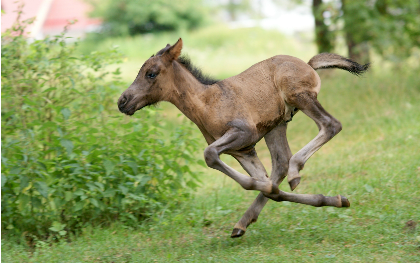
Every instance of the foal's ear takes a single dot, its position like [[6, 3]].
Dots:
[[175, 50]]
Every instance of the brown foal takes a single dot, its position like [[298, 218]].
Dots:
[[235, 113]]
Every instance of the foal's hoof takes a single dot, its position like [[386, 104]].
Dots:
[[294, 183], [344, 202], [237, 233]]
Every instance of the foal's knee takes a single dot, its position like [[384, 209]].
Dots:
[[211, 156]]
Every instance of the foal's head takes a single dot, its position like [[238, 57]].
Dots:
[[152, 82]]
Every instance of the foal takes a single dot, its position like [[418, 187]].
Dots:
[[235, 113]]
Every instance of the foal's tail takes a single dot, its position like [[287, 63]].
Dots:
[[329, 60]]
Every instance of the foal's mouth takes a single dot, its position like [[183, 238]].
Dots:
[[127, 104], [131, 109]]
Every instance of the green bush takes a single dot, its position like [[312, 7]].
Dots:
[[66, 160], [131, 17]]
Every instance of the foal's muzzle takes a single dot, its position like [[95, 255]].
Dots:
[[123, 105]]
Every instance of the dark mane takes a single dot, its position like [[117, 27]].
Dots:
[[196, 72]]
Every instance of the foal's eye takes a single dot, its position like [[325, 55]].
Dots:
[[151, 75]]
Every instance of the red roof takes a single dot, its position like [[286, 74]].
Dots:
[[64, 10], [52, 16]]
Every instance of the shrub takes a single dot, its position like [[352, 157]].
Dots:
[[131, 17], [66, 161]]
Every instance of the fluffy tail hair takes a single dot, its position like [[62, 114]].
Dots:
[[329, 60]]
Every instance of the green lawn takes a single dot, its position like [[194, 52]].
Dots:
[[374, 162]]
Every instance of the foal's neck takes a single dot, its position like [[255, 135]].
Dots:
[[185, 93]]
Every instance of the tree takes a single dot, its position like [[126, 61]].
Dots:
[[323, 36], [356, 22]]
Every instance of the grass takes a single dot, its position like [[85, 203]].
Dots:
[[374, 161], [218, 50]]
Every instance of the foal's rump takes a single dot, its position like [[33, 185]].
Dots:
[[294, 76]]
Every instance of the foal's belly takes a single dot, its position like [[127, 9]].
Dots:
[[268, 117]]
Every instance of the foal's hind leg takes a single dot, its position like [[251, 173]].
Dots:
[[313, 200], [278, 146], [328, 127], [236, 139]]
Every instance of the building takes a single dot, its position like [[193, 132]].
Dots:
[[51, 17]]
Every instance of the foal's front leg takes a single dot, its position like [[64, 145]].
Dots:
[[311, 199], [278, 146], [234, 140]]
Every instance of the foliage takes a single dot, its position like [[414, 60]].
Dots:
[[66, 160], [131, 17], [390, 27]]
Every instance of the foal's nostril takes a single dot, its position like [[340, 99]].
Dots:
[[122, 102]]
